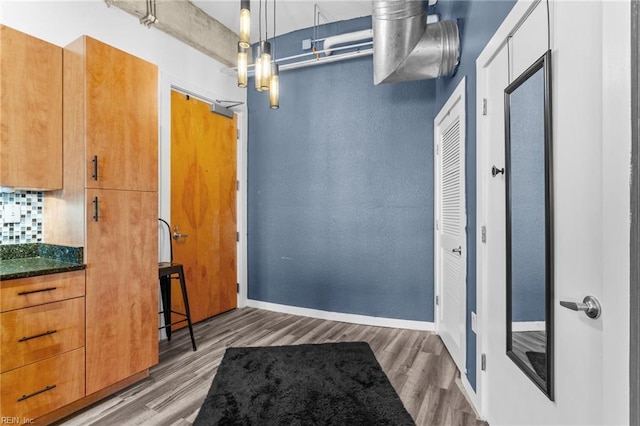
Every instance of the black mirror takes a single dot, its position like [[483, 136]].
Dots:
[[529, 227]]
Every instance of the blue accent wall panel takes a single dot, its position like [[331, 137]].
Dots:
[[340, 191], [478, 21]]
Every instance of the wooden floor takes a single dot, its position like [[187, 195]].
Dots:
[[524, 341], [416, 362]]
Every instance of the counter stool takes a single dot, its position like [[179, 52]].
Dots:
[[168, 271]]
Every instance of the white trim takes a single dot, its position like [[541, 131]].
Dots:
[[528, 326], [471, 394], [456, 105], [342, 317], [521, 10]]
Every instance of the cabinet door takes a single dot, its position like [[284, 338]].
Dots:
[[122, 285], [30, 112], [121, 119], [36, 389]]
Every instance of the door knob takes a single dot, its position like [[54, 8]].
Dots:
[[496, 171], [177, 234], [458, 250], [590, 306]]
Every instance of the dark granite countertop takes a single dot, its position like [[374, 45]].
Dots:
[[29, 260]]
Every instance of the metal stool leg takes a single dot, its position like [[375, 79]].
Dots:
[[165, 292], [183, 287]]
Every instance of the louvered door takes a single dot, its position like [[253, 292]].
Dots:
[[450, 247]]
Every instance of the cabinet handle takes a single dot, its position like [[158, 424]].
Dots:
[[24, 293], [48, 388], [46, 333], [95, 167], [95, 209]]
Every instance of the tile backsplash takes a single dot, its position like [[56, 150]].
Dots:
[[29, 230]]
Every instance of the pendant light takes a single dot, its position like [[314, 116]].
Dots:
[[257, 67], [266, 52], [257, 57], [274, 81], [242, 66], [266, 71], [265, 59], [274, 86], [245, 23]]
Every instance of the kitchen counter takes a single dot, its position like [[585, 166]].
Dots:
[[29, 260]]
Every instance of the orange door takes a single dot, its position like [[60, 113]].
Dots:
[[203, 205]]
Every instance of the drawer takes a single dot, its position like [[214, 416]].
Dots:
[[39, 388], [25, 292], [33, 334]]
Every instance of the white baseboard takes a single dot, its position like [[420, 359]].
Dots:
[[472, 396], [528, 326], [337, 316]]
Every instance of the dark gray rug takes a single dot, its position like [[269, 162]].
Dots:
[[326, 384]]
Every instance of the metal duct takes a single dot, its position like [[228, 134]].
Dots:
[[406, 48]]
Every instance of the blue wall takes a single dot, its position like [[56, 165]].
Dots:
[[478, 21], [340, 193], [341, 181]]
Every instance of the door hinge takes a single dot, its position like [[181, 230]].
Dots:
[[484, 106], [237, 185], [437, 149], [483, 362], [484, 234], [437, 225], [237, 287], [437, 300], [237, 236], [237, 134]]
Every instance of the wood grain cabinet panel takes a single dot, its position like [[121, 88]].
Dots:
[[36, 333], [39, 388], [119, 115], [32, 291], [122, 285], [30, 112]]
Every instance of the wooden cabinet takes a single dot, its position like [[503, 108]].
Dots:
[[40, 388], [30, 111], [25, 292], [109, 205], [122, 285], [36, 333], [115, 95], [42, 333]]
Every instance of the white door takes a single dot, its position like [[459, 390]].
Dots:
[[451, 220], [583, 249]]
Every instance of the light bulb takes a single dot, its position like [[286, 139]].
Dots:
[[274, 87], [266, 65], [245, 23], [257, 68], [242, 66]]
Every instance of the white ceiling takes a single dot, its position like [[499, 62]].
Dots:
[[291, 15]]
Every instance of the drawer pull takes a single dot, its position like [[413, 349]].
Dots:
[[95, 168], [46, 333], [24, 293], [48, 388]]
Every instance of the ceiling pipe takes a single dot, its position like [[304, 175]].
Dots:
[[406, 48], [332, 41]]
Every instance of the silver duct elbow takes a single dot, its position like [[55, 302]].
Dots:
[[405, 48]]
